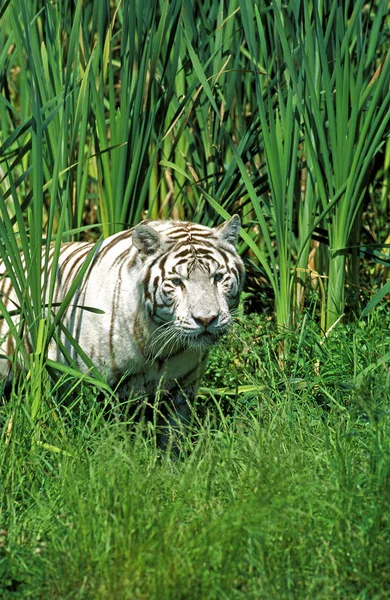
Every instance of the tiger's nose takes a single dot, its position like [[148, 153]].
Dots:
[[205, 321]]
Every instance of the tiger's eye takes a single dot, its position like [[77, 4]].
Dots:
[[176, 281], [218, 277]]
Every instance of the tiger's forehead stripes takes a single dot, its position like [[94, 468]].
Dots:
[[189, 232], [194, 255]]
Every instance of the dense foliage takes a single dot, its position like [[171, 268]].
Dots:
[[111, 111]]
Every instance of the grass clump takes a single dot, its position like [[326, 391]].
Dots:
[[280, 496]]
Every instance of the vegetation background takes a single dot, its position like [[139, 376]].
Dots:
[[112, 111]]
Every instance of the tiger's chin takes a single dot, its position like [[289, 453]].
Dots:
[[204, 339]]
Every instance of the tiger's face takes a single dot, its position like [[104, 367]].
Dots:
[[193, 278], [196, 299]]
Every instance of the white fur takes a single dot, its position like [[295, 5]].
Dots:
[[156, 330]]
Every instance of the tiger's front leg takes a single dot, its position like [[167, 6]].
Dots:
[[175, 417], [178, 380]]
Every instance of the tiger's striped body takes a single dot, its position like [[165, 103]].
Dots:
[[166, 289]]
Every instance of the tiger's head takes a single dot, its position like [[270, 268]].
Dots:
[[192, 278]]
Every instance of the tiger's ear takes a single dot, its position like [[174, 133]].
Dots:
[[146, 239], [228, 231]]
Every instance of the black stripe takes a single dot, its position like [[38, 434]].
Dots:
[[111, 242]]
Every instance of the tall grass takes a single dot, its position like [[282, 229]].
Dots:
[[115, 111], [324, 111]]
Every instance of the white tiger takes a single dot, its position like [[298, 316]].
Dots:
[[167, 289]]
